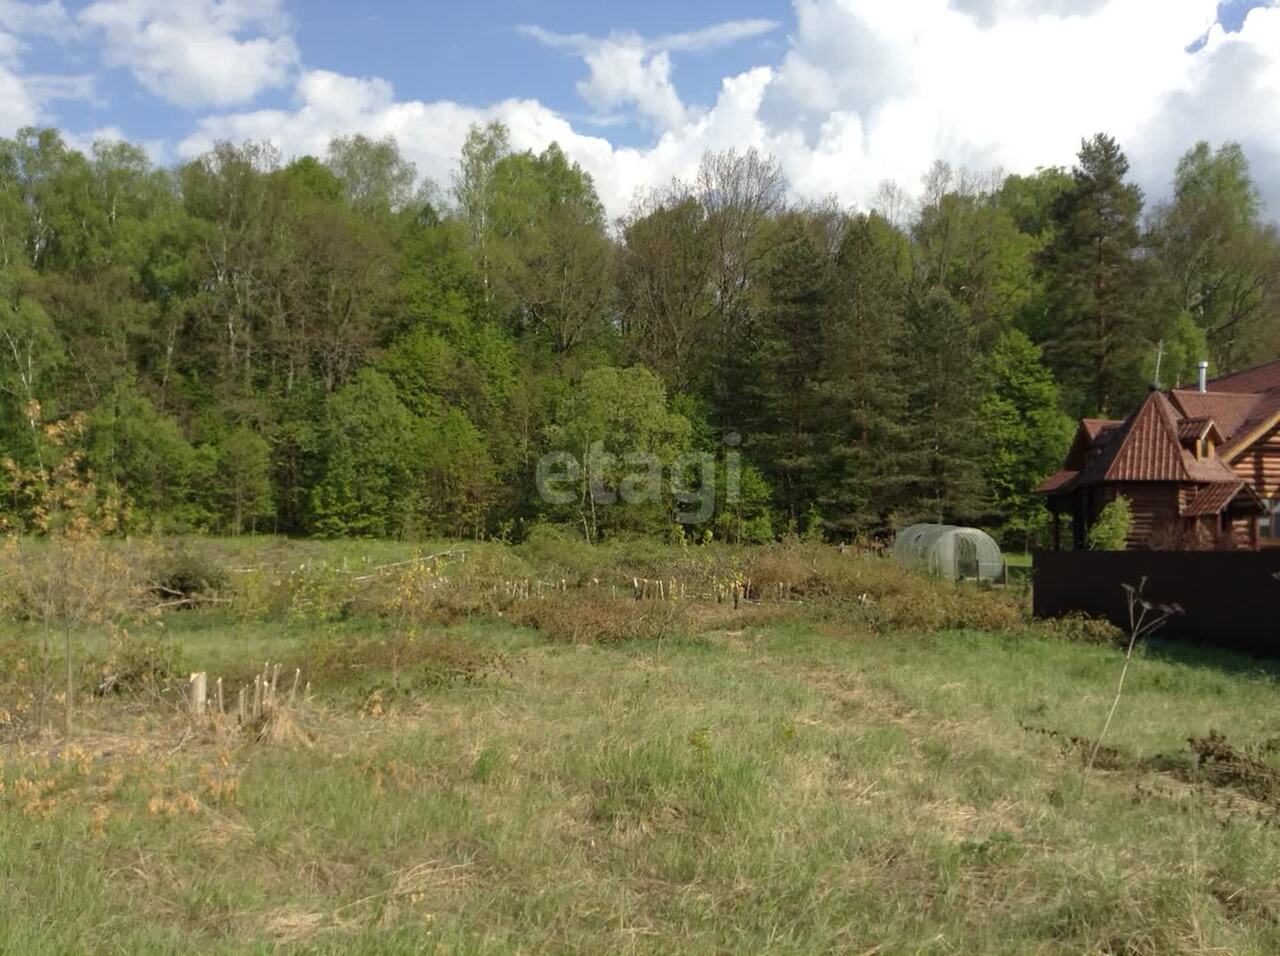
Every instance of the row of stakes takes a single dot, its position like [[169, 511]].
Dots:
[[648, 589], [251, 702]]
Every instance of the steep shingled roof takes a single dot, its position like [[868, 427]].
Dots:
[[1156, 443], [1148, 450], [1147, 446]]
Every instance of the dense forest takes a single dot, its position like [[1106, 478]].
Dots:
[[330, 347]]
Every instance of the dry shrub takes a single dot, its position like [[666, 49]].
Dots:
[[426, 589], [1223, 765], [182, 577], [402, 664], [557, 553], [876, 590], [589, 617], [138, 660], [280, 726], [18, 672], [70, 582], [418, 595], [1080, 628]]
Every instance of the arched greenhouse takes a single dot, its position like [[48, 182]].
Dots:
[[947, 551]]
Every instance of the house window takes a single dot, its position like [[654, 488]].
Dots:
[[1269, 524]]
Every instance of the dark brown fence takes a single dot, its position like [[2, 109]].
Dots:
[[1231, 598]]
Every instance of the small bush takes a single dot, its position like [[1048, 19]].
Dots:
[[140, 660], [1111, 530], [1082, 629], [179, 574], [876, 591]]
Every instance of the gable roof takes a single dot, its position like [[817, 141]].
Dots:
[[1155, 442], [1197, 429], [1213, 499], [1147, 446]]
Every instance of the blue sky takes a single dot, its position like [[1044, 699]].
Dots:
[[469, 52], [846, 93]]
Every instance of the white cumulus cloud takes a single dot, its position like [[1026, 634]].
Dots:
[[627, 69], [197, 52], [865, 91], [25, 96]]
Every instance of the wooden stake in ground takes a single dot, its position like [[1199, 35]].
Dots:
[[197, 691]]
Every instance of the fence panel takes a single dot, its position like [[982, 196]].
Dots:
[[1230, 598]]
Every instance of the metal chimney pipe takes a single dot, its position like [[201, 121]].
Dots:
[[1202, 376]]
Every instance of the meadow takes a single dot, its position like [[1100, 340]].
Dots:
[[477, 748]]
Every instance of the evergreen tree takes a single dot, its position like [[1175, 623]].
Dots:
[[940, 466], [1099, 286], [780, 415], [370, 482], [864, 378], [244, 482]]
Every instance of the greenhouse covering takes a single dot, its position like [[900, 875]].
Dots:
[[948, 551]]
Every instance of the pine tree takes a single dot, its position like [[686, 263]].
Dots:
[[780, 408], [862, 390], [941, 464], [1099, 286]]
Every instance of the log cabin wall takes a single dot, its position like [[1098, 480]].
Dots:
[[1154, 505], [1260, 465]]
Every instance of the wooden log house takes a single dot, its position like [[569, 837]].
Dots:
[[1200, 467]]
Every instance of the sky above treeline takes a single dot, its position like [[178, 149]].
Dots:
[[845, 93]]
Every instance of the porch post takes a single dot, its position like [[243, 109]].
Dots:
[[1055, 531]]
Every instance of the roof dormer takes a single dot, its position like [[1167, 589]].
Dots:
[[1200, 436]]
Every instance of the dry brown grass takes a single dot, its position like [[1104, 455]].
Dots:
[[589, 617]]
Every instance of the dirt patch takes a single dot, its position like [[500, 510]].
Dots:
[[1109, 758], [1219, 763]]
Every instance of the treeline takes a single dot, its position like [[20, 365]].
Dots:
[[325, 347]]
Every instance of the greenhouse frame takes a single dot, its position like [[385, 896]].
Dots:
[[948, 551]]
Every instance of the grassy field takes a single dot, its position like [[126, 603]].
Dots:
[[814, 774]]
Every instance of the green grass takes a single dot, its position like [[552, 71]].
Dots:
[[753, 788]]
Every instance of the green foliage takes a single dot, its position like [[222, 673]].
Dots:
[[133, 447], [368, 482], [1027, 432], [1099, 285], [1182, 349], [617, 424], [1111, 529], [243, 479], [332, 346], [947, 434], [1221, 259]]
